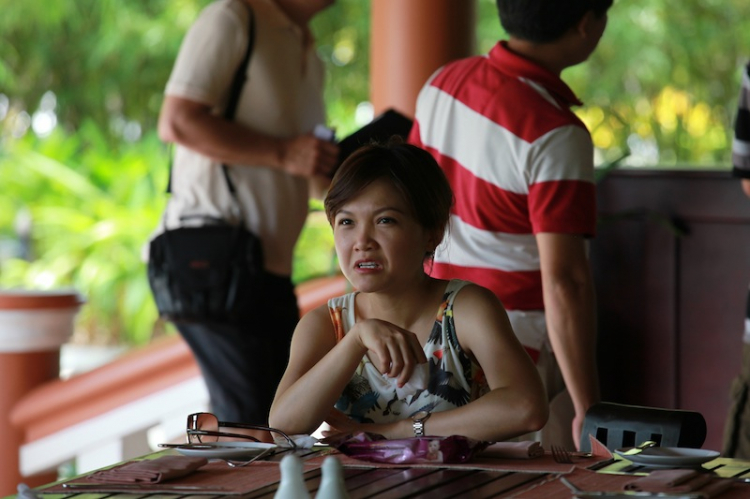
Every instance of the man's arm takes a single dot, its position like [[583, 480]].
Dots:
[[193, 125], [746, 186], [569, 309]]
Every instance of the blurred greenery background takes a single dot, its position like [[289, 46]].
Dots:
[[82, 173]]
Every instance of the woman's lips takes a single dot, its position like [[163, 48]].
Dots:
[[366, 265]]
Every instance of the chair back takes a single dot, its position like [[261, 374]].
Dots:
[[621, 425]]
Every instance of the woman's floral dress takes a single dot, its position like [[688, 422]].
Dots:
[[453, 380]]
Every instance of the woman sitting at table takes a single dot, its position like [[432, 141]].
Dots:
[[364, 352]]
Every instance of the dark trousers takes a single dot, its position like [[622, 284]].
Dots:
[[242, 365]]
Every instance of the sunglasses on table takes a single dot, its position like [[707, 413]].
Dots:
[[204, 427]]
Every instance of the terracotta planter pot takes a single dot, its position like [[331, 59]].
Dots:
[[33, 327]]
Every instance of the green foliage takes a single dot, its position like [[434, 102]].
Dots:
[[343, 35], [666, 77], [92, 209], [314, 255], [105, 60]]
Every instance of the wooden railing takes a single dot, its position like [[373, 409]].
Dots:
[[120, 410]]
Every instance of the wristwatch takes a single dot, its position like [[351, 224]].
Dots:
[[418, 420]]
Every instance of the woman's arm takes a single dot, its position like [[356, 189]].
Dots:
[[300, 405], [516, 403], [319, 368]]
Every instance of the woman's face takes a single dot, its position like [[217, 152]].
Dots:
[[379, 243]]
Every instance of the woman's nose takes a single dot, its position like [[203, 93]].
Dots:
[[363, 240]]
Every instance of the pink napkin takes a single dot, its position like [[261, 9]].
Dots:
[[514, 450], [150, 470], [679, 481], [598, 449]]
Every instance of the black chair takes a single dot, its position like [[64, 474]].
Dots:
[[621, 425]]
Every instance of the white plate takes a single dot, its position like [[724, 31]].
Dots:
[[670, 457], [224, 450]]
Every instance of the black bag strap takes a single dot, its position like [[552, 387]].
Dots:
[[240, 76]]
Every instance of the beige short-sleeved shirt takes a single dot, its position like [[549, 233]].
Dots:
[[282, 96]]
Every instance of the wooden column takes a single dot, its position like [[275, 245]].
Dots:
[[33, 327], [410, 40]]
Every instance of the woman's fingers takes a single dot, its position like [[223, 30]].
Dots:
[[414, 355], [407, 367], [381, 358], [394, 351]]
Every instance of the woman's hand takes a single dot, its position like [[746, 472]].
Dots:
[[394, 351], [339, 423]]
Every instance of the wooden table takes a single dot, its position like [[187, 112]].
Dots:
[[524, 479]]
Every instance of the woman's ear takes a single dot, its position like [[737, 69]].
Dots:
[[433, 242]]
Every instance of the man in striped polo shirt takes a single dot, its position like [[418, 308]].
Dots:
[[521, 165]]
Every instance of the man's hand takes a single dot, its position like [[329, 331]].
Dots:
[[308, 156], [577, 429]]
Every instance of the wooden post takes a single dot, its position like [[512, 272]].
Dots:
[[33, 327], [410, 39]]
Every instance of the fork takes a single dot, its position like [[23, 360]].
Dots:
[[240, 464], [561, 455]]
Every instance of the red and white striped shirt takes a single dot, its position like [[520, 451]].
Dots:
[[520, 162]]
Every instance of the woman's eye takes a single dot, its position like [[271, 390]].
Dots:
[[386, 220], [345, 221]]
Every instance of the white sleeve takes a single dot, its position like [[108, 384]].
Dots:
[[210, 53]]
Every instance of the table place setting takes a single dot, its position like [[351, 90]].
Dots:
[[669, 457], [213, 477], [676, 484], [197, 474], [368, 462]]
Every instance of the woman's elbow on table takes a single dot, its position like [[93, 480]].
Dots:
[[530, 412], [279, 417], [290, 426], [536, 413]]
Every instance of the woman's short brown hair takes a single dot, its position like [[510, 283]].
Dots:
[[411, 170]]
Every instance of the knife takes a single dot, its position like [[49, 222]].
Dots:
[[639, 448]]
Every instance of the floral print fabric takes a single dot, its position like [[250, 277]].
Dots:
[[454, 379]]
